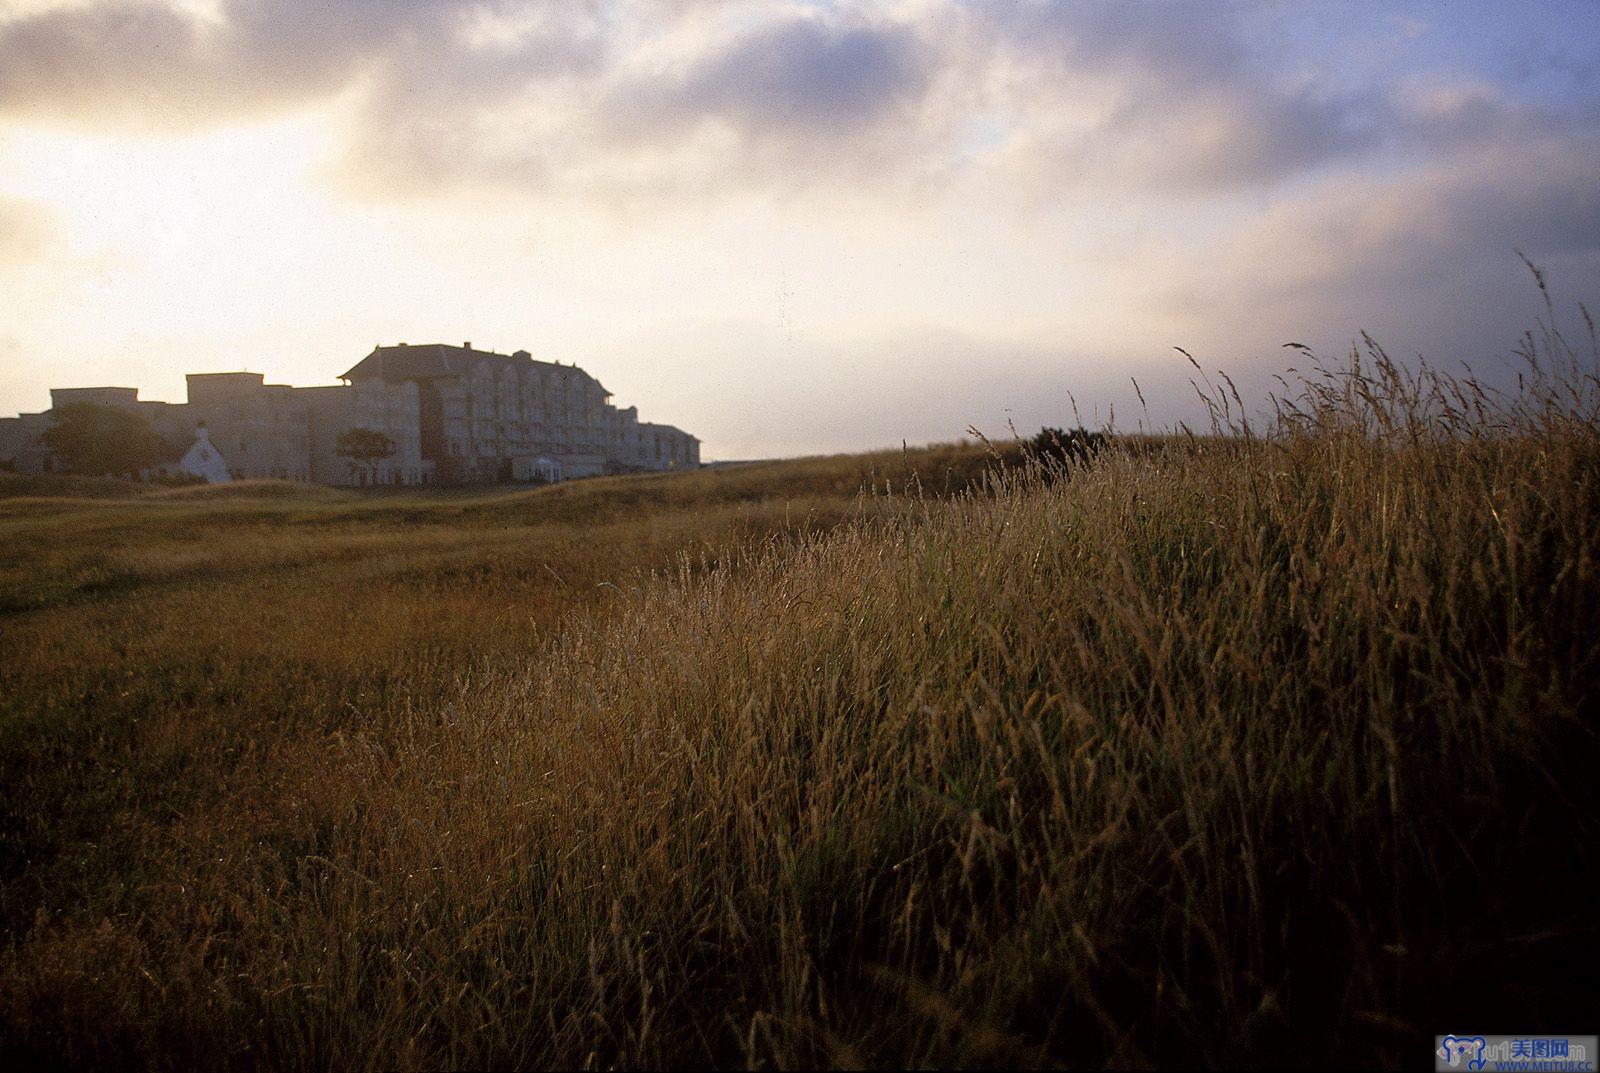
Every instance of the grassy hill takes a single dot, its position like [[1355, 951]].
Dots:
[[1275, 747]]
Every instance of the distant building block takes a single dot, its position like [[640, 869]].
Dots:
[[455, 415]]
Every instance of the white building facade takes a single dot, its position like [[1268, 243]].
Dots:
[[485, 416]]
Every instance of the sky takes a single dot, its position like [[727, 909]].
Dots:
[[792, 227]]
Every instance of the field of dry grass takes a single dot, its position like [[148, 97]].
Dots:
[[1267, 747]]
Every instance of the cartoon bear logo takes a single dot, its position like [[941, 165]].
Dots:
[[1455, 1048]]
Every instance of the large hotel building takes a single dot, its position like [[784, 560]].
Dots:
[[455, 415]]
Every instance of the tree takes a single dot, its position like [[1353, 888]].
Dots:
[[98, 441], [365, 447]]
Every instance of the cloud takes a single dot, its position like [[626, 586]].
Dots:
[[1425, 261], [692, 102], [656, 102], [806, 75], [793, 103], [1114, 98], [1204, 142], [787, 103], [146, 64], [106, 61]]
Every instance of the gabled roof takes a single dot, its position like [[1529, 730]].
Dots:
[[394, 363], [428, 360]]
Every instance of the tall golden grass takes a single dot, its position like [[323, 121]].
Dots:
[[1274, 745]]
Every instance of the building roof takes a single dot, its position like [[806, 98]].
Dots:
[[240, 377], [656, 426], [429, 360], [100, 396]]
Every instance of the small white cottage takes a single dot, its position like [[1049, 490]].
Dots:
[[541, 468], [204, 460]]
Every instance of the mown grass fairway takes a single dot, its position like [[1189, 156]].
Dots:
[[1222, 750]]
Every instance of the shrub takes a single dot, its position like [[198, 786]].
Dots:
[[1056, 450]]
